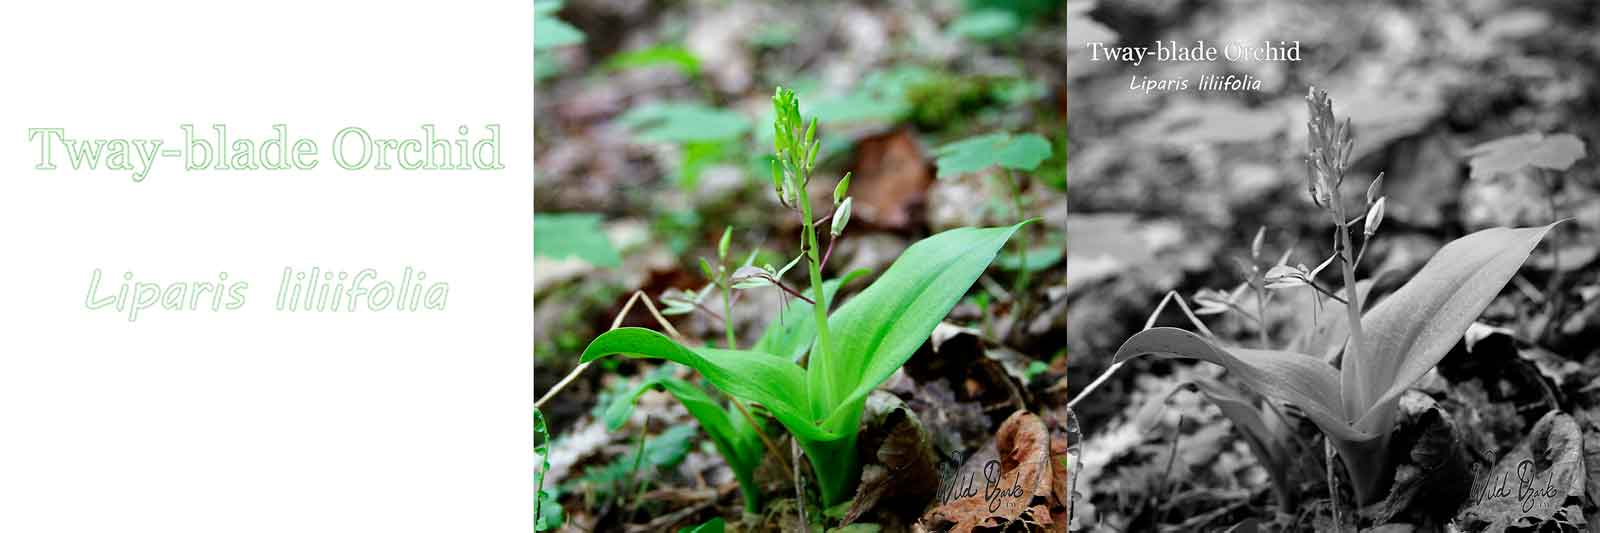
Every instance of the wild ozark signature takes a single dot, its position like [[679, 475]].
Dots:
[[995, 488], [1526, 487]]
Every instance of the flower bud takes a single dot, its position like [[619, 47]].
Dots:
[[811, 155], [1255, 244], [705, 268], [841, 218], [777, 179], [1374, 218]]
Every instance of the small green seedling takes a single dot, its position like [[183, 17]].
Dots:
[[705, 134], [1008, 152], [579, 235], [547, 513], [671, 55], [731, 433], [1388, 348], [550, 32], [856, 348]]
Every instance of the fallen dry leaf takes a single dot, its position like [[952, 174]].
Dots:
[[1540, 483], [905, 475], [891, 179], [1015, 486]]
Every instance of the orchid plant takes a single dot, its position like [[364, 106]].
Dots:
[[1382, 351], [847, 352]]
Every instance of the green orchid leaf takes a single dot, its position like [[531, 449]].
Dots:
[[793, 334], [1042, 256], [1412, 329], [729, 431], [759, 377], [877, 330]]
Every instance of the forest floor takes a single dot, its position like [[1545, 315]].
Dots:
[[1174, 192], [653, 137]]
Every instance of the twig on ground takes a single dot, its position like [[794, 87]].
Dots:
[[638, 296]]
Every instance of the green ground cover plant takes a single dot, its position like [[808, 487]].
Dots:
[[855, 347]]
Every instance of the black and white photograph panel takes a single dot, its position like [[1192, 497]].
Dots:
[[1333, 265]]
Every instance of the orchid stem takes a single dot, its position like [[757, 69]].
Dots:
[[727, 313], [1333, 483], [1347, 266], [1021, 288]]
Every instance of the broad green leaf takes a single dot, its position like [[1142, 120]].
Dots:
[[772, 381], [1019, 152], [672, 55], [874, 334], [679, 122], [563, 235], [860, 106], [970, 154], [1412, 329], [698, 156], [791, 334], [1041, 256], [729, 431], [1024, 152], [884, 95], [876, 331], [1509, 154]]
